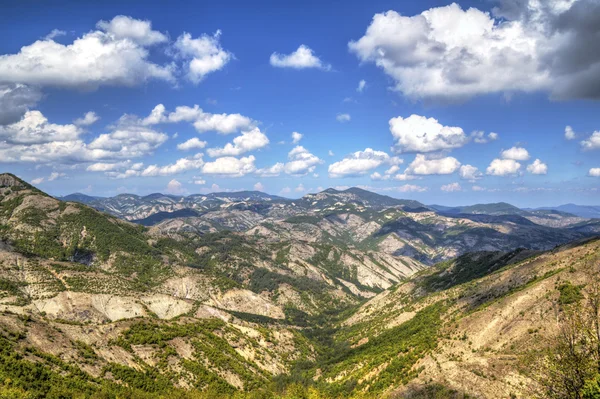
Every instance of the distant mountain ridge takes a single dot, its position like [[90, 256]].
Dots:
[[585, 211]]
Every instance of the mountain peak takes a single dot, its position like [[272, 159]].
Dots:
[[10, 180]]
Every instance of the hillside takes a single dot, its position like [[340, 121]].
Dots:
[[352, 295]]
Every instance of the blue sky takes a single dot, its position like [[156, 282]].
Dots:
[[439, 78]]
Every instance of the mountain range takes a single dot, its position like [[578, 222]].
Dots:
[[336, 294]]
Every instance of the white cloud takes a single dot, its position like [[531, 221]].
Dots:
[[521, 46], [259, 186], [38, 180], [300, 188], [592, 143], [202, 121], [537, 168], [34, 128], [199, 181], [176, 188], [362, 85], [299, 59], [15, 100], [451, 187], [181, 165], [436, 166], [469, 172], [230, 166], [503, 167], [107, 167], [88, 119], [569, 133], [285, 190], [203, 55], [358, 163], [157, 115], [248, 141], [271, 171], [343, 118], [425, 54], [516, 154], [127, 171], [391, 173], [330, 153], [480, 138], [301, 161], [97, 58], [478, 188], [192, 143], [296, 137], [420, 134], [595, 172], [138, 31], [411, 188], [404, 177], [55, 33], [127, 141], [55, 175]]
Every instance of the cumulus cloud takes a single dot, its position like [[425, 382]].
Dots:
[[301, 161], [56, 175], [343, 118], [362, 85], [592, 143], [451, 187], [595, 172], [259, 186], [35, 139], [38, 180], [15, 100], [452, 54], [436, 166], [411, 188], [114, 55], [230, 166], [469, 172], [34, 128], [248, 141], [300, 188], [176, 188], [358, 163], [88, 119], [300, 59], [537, 168], [107, 166], [202, 121], [285, 190], [55, 33], [296, 137], [570, 133], [181, 165], [128, 141], [503, 167], [421, 134], [191, 144], [480, 137], [138, 31], [516, 154], [271, 171], [203, 55]]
